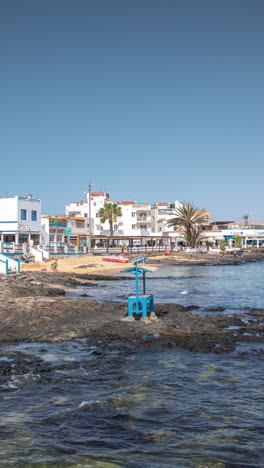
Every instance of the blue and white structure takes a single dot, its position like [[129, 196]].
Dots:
[[20, 219]]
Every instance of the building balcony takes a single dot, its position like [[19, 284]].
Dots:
[[143, 219]]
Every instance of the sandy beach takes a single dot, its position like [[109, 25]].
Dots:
[[94, 264]]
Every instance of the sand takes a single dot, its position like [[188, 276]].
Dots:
[[94, 264], [91, 264]]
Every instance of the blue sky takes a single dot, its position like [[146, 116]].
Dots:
[[150, 100]]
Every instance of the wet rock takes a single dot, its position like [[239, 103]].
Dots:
[[225, 348], [43, 368], [34, 310], [257, 312], [214, 309]]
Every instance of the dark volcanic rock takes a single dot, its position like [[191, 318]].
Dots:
[[257, 312], [32, 309]]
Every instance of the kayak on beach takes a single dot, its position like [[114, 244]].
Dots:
[[115, 259]]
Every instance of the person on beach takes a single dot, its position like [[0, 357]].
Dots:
[[54, 265]]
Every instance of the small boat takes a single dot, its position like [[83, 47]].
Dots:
[[115, 259]]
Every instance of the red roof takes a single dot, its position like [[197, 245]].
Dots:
[[161, 203], [99, 194], [127, 202]]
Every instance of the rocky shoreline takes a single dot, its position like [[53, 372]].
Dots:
[[33, 307], [209, 258]]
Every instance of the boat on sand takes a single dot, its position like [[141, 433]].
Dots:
[[115, 259]]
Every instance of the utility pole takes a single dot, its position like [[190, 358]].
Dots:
[[90, 218]]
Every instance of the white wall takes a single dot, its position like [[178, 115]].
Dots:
[[29, 205], [10, 215], [77, 209], [45, 231]]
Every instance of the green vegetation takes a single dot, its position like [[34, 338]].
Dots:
[[223, 245], [238, 241], [190, 218], [110, 212]]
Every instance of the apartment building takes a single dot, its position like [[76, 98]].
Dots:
[[96, 201], [161, 213], [138, 219]]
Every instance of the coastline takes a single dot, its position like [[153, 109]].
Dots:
[[33, 307], [94, 265]]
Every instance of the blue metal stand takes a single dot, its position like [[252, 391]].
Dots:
[[142, 304]]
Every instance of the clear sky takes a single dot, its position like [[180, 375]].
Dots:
[[150, 100]]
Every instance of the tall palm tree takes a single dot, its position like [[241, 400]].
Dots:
[[110, 212], [189, 217]]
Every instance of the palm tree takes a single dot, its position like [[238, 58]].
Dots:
[[110, 212], [189, 217], [196, 236]]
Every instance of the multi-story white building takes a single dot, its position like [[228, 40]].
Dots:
[[20, 219], [138, 219], [161, 213], [135, 220], [94, 199]]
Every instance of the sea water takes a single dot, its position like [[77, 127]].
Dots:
[[234, 287], [112, 406]]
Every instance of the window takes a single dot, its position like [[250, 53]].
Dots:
[[97, 215], [133, 214], [23, 214], [86, 215], [22, 238], [80, 224], [33, 215], [115, 226], [94, 203], [133, 226]]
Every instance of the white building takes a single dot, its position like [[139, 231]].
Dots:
[[251, 233], [58, 229], [138, 219], [135, 220], [161, 213], [97, 201], [20, 219]]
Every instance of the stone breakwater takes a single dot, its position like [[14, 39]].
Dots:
[[33, 307]]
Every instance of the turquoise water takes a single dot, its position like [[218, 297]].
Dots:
[[114, 406], [234, 287]]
